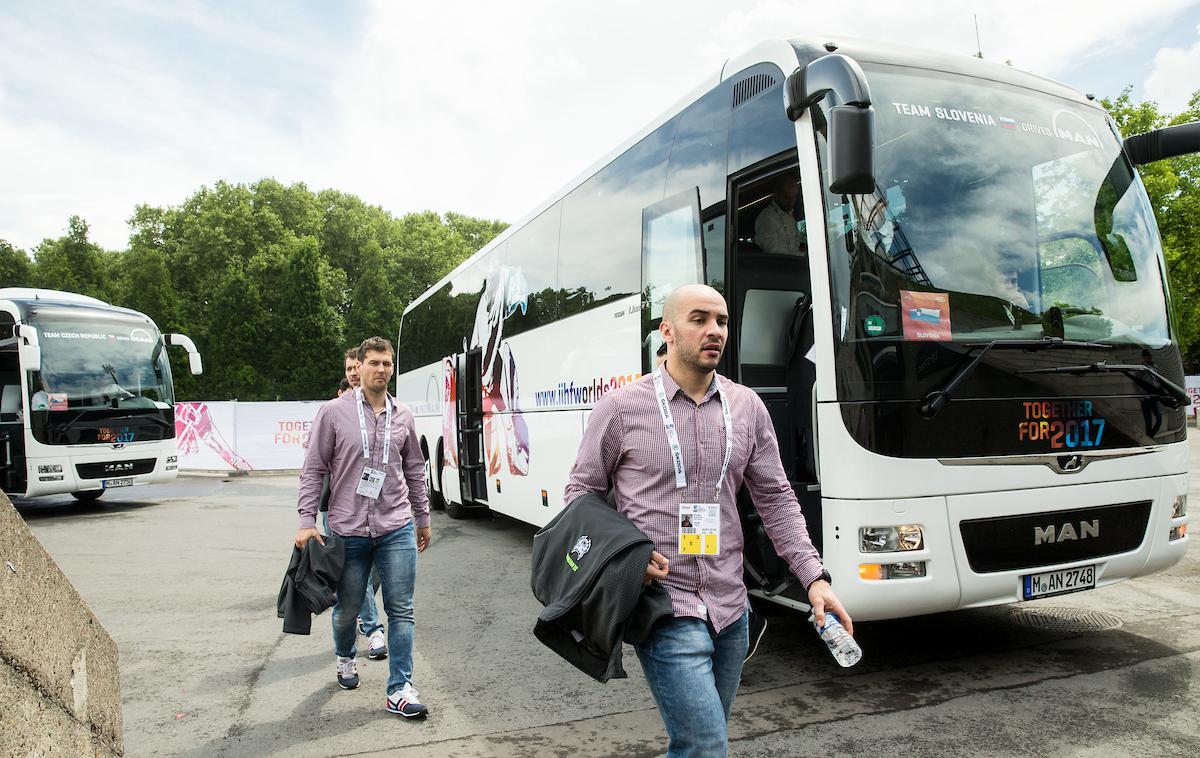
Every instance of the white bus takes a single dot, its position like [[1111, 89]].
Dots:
[[962, 330], [86, 402]]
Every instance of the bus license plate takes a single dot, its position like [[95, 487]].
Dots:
[[1060, 582], [108, 484]]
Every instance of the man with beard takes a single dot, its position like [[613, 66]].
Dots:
[[681, 442]]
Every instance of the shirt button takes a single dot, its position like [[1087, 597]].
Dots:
[[702, 608]]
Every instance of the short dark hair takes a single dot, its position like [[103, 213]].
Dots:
[[662, 350], [377, 344], [344, 385], [352, 352]]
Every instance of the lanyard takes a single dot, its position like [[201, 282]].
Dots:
[[664, 409], [362, 427]]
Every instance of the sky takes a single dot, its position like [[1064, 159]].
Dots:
[[482, 108]]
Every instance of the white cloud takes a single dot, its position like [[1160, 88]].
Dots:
[[483, 108], [1175, 77]]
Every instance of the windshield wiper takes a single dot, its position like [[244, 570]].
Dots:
[[1162, 385], [937, 399]]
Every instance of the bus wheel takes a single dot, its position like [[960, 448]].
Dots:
[[87, 496], [436, 501], [458, 510]]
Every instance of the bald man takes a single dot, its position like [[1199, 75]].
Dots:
[[676, 466]]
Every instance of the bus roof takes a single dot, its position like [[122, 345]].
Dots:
[[800, 52], [56, 296]]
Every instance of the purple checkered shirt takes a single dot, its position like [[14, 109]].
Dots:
[[625, 443], [335, 448]]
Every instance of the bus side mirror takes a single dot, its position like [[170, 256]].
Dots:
[[194, 362], [1167, 142], [850, 125], [29, 349]]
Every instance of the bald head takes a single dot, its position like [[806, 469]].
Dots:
[[681, 300], [695, 325]]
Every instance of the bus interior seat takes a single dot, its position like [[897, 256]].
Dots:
[[10, 403]]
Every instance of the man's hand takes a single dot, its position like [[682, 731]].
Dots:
[[304, 535], [821, 598], [424, 534], [656, 568]]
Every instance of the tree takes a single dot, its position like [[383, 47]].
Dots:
[[16, 270], [73, 263]]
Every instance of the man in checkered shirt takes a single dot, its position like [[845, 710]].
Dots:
[[693, 663]]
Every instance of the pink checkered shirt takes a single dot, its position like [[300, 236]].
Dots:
[[625, 443]]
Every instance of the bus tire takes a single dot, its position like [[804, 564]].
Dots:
[[436, 502], [87, 496], [458, 510]]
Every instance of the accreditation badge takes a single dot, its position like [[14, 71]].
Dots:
[[699, 529], [371, 482]]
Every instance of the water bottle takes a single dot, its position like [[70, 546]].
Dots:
[[843, 647]]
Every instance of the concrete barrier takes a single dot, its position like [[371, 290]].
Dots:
[[60, 691]]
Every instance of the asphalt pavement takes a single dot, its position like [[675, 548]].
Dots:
[[185, 577]]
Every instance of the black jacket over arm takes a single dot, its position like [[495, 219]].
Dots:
[[310, 584], [588, 567]]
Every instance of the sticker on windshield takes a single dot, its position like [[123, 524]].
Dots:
[[57, 401], [926, 315], [873, 325]]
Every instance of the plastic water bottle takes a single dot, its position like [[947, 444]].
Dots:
[[843, 647]]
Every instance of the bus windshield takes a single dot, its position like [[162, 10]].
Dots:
[[92, 364], [999, 213]]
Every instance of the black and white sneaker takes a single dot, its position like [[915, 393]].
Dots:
[[347, 673], [377, 646], [758, 627], [405, 702]]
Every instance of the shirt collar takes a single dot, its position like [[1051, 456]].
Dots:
[[671, 387], [391, 401]]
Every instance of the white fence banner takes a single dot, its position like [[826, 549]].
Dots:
[[233, 436], [1193, 389]]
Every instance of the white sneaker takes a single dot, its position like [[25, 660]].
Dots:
[[377, 646], [405, 701], [347, 672]]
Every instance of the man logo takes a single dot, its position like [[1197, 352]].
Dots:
[[1050, 534], [581, 547]]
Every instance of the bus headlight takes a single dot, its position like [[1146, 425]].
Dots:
[[1179, 510], [879, 571], [1177, 533], [889, 539], [55, 468]]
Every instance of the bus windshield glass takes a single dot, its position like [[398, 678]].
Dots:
[[999, 213], [94, 364]]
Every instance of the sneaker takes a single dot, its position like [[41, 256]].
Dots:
[[377, 646], [347, 673], [361, 629], [404, 701], [758, 627]]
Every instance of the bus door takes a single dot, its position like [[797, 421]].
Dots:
[[672, 256], [471, 461], [770, 343], [12, 427]]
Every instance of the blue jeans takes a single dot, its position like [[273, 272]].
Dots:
[[369, 612], [395, 556], [693, 674]]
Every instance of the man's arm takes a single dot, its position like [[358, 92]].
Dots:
[[316, 465], [414, 475], [599, 452], [780, 512]]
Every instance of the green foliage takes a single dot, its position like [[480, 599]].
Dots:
[[272, 281], [1173, 187], [16, 270]]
